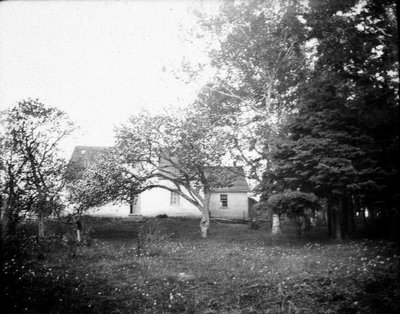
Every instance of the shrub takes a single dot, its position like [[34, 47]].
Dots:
[[260, 211], [162, 216], [254, 224], [297, 206], [293, 203]]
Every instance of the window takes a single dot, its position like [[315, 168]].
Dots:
[[224, 200], [175, 198]]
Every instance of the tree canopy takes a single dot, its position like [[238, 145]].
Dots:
[[309, 94], [293, 204], [31, 164], [181, 152], [342, 142], [98, 182], [259, 61]]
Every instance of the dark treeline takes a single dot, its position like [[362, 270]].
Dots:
[[327, 72]]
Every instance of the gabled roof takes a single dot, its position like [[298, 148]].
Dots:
[[86, 155], [236, 178]]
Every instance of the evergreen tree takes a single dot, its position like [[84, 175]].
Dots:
[[343, 141], [326, 150]]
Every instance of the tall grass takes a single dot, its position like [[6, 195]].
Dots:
[[236, 270]]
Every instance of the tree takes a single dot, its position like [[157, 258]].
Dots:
[[296, 205], [314, 157], [181, 153], [365, 63], [32, 166], [259, 60], [329, 153], [96, 183], [342, 141]]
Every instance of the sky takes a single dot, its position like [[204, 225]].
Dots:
[[99, 61]]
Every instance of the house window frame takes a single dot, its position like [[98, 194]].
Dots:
[[175, 199], [223, 200]]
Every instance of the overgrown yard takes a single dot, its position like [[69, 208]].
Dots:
[[236, 270]]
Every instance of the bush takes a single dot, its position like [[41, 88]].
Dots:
[[25, 244], [297, 206], [162, 216], [254, 224], [260, 211], [293, 203]]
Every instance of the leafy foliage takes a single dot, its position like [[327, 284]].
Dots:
[[342, 141], [102, 181], [31, 164], [324, 146], [182, 153], [293, 204], [259, 60], [363, 69]]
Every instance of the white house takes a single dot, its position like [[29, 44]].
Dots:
[[225, 202]]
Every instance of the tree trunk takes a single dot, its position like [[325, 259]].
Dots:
[[356, 210], [324, 213], [299, 225], [308, 222], [364, 217], [41, 213], [205, 224], [330, 218], [338, 222], [351, 224], [78, 235], [41, 227], [345, 217], [2, 235], [276, 228], [78, 231], [371, 213], [3, 220], [205, 219], [313, 222]]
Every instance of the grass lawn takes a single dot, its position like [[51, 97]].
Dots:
[[236, 270]]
